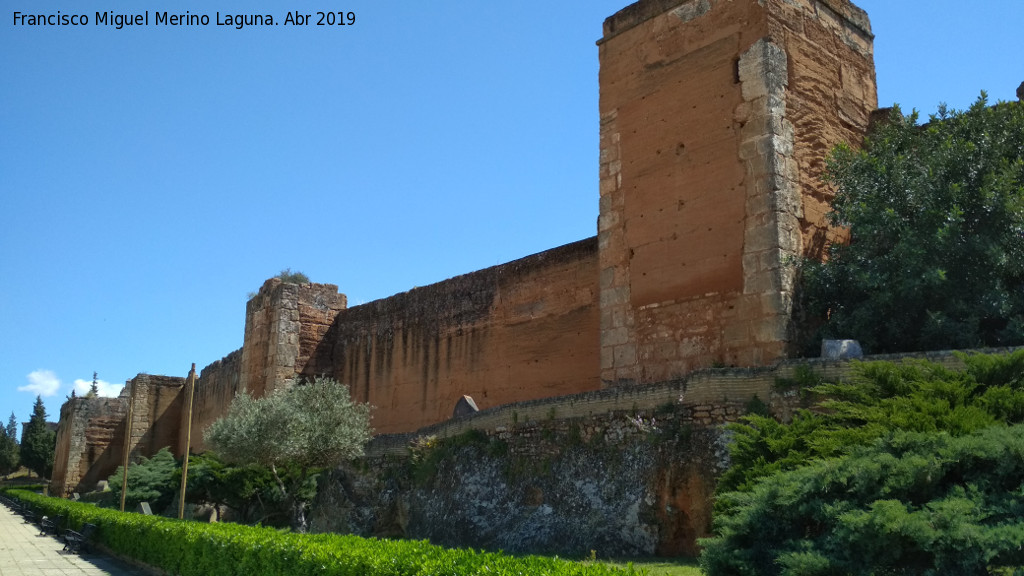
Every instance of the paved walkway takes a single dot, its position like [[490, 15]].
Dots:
[[23, 552]]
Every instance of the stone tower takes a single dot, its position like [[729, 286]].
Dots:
[[284, 325], [716, 117]]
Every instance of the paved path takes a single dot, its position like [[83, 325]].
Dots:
[[23, 552]]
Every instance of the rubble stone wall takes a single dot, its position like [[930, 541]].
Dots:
[[624, 471]]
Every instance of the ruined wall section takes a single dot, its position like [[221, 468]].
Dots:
[[284, 325], [215, 389], [831, 94], [526, 329], [704, 175], [156, 403], [90, 440]]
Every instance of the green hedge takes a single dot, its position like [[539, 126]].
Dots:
[[190, 548]]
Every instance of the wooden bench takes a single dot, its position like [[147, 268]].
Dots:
[[78, 541]]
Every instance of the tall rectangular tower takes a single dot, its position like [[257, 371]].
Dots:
[[716, 117]]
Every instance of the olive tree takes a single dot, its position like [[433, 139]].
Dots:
[[304, 428]]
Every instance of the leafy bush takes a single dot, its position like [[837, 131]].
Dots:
[[250, 490], [289, 277], [909, 454], [149, 480], [880, 397], [936, 252], [910, 503], [305, 428], [200, 549]]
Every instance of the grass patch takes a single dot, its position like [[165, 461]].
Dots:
[[656, 566]]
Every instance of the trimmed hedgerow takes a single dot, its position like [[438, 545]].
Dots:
[[198, 549]]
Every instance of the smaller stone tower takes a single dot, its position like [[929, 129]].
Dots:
[[284, 325]]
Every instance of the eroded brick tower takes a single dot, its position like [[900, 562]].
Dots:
[[716, 116]]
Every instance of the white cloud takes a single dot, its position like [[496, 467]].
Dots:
[[42, 382], [106, 389]]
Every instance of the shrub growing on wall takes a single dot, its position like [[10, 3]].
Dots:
[[936, 252]]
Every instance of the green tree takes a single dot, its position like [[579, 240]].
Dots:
[[38, 442], [302, 429], [935, 258], [9, 457], [12, 427], [149, 480], [94, 388], [878, 398], [250, 489]]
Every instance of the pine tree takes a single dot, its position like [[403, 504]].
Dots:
[[12, 427], [94, 389], [9, 448], [38, 442]]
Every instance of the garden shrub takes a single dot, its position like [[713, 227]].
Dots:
[[907, 468], [910, 503], [200, 549]]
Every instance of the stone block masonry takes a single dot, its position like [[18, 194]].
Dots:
[[709, 194], [284, 325], [92, 432]]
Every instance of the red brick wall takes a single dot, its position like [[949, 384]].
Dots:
[[716, 116], [526, 329]]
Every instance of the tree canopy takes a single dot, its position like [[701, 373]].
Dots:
[[151, 480], [9, 457], [304, 428], [12, 427], [935, 258], [38, 442]]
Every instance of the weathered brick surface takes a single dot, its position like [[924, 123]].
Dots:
[[710, 397], [156, 403], [716, 117], [284, 326], [215, 389], [526, 329], [90, 440], [92, 431]]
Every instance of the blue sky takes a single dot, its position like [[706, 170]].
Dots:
[[151, 177]]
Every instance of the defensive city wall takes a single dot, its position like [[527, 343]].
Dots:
[[715, 119]]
